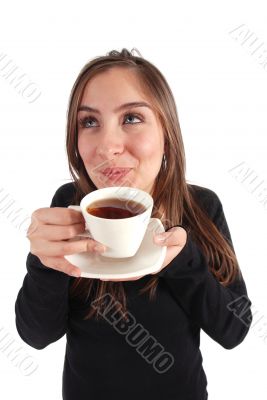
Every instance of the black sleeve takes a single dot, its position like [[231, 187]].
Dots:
[[41, 307], [223, 312]]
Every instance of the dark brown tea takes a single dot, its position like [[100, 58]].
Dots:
[[115, 208]]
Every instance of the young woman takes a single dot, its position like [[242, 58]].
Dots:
[[138, 338]]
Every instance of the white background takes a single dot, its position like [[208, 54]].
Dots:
[[220, 91]]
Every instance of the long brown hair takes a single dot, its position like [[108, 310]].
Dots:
[[170, 193]]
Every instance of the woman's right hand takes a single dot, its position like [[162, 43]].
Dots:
[[48, 233]]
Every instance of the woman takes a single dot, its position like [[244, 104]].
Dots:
[[199, 286]]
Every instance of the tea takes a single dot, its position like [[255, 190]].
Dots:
[[115, 208]]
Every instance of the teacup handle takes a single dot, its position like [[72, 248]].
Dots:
[[86, 232]]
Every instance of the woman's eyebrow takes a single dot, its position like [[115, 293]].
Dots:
[[121, 107]]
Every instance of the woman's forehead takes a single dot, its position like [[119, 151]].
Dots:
[[115, 83]]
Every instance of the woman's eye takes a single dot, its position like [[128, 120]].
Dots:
[[84, 122], [88, 122], [132, 116]]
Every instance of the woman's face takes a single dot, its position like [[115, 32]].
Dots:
[[115, 135]]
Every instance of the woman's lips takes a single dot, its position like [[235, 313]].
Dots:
[[114, 174]]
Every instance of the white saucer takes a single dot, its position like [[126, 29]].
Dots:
[[148, 259]]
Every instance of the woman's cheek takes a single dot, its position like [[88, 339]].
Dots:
[[146, 147], [84, 149]]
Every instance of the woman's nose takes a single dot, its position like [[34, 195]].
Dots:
[[109, 144]]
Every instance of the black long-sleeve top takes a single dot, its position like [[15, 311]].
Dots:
[[156, 354]]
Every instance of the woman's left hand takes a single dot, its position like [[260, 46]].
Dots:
[[175, 239]]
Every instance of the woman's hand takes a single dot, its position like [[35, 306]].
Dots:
[[175, 239], [49, 232]]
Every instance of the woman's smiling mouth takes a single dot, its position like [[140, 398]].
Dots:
[[116, 173]]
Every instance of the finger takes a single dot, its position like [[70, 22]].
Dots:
[[175, 236], [57, 232], [62, 248], [154, 273], [61, 264], [171, 253], [57, 216]]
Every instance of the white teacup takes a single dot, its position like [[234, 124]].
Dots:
[[122, 237]]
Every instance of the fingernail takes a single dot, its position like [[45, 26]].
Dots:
[[160, 238], [76, 273], [100, 248]]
